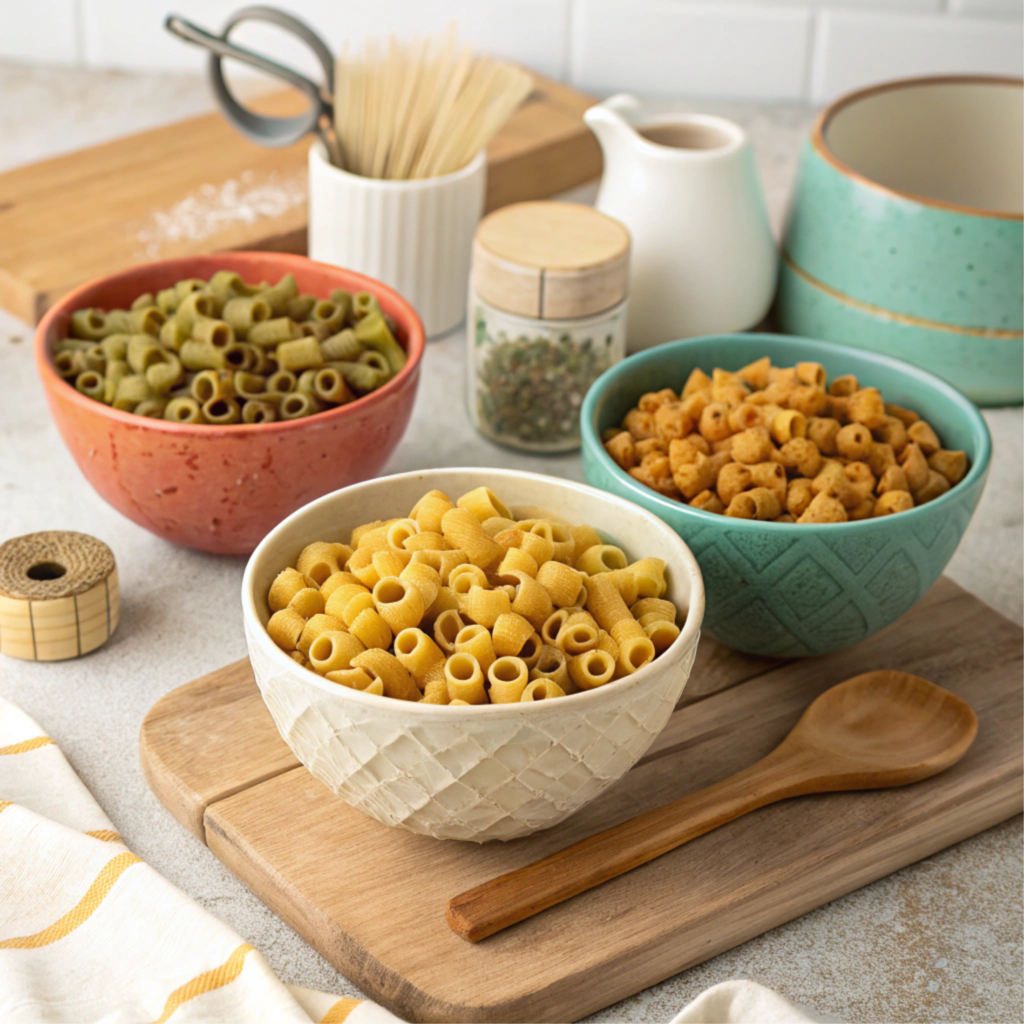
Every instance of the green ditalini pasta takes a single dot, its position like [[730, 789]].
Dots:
[[228, 352]]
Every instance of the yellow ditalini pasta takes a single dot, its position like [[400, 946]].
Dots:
[[562, 582], [333, 651], [508, 678], [466, 602], [465, 679], [476, 640], [542, 689], [418, 653], [591, 669], [510, 633], [399, 602]]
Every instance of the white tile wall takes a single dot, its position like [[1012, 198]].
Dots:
[[760, 49], [129, 33], [672, 48], [855, 49], [1006, 8], [43, 30]]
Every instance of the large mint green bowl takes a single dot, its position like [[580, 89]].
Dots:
[[905, 232], [789, 590]]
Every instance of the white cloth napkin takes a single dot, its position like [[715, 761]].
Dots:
[[88, 932], [743, 1002]]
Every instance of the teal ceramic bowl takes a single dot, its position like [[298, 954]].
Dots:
[[789, 590], [905, 232]]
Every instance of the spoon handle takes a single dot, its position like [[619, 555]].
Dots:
[[526, 891]]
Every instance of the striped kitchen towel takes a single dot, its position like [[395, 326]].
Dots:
[[88, 932]]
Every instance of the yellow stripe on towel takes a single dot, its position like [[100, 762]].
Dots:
[[106, 834], [26, 745], [206, 982], [339, 1011], [4, 804], [81, 912]]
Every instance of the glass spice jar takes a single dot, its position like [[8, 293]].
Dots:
[[547, 316]]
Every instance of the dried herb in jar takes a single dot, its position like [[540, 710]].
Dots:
[[529, 390]]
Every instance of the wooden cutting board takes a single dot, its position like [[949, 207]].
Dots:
[[198, 186], [372, 899]]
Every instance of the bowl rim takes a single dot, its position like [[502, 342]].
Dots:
[[413, 328], [689, 634], [821, 147], [592, 442]]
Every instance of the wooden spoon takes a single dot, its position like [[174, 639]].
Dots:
[[876, 730]]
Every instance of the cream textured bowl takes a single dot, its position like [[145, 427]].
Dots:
[[492, 772]]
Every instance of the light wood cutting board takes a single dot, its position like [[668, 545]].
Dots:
[[371, 899], [198, 186]]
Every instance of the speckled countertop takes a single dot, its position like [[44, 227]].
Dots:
[[939, 941]]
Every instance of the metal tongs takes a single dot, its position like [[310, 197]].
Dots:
[[274, 132]]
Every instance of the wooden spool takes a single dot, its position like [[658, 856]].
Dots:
[[58, 595]]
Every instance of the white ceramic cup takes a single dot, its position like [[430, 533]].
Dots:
[[415, 236]]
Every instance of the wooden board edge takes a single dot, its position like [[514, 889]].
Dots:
[[185, 805], [20, 299], [386, 987], [609, 982]]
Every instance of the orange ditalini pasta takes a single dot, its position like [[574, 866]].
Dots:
[[780, 444], [465, 602]]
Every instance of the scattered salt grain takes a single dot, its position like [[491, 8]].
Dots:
[[210, 209]]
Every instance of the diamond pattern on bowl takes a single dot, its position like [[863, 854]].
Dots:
[[819, 592], [463, 774]]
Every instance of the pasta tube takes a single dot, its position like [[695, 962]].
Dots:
[[577, 637], [476, 640], [662, 634], [542, 689], [314, 627], [518, 560], [435, 687], [371, 629], [418, 654], [395, 679], [333, 651], [465, 679], [486, 606], [484, 504], [508, 678], [285, 628], [243, 312], [510, 633], [601, 558], [400, 603], [183, 410], [447, 626], [463, 531], [563, 583], [373, 332], [552, 625], [425, 579], [591, 669], [343, 346]]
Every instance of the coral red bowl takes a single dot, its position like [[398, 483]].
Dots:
[[222, 489]]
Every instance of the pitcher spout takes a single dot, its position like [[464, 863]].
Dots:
[[612, 120]]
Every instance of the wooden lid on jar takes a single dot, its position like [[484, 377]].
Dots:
[[551, 261]]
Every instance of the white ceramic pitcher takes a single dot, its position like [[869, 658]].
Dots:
[[687, 187]]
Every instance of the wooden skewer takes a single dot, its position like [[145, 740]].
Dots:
[[876, 730]]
